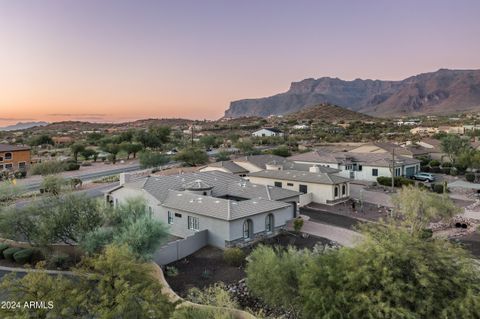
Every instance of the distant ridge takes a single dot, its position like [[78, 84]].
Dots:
[[22, 126], [441, 92], [328, 113]]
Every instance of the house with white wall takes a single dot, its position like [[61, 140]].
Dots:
[[316, 186], [232, 210], [361, 166], [267, 132]]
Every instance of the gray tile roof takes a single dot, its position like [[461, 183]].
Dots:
[[219, 207], [369, 159], [308, 177], [230, 166], [224, 184], [12, 148]]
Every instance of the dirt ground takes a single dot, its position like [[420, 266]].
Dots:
[[206, 266]]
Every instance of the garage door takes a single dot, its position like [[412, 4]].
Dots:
[[410, 171]]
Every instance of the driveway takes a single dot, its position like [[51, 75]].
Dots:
[[378, 198], [325, 217]]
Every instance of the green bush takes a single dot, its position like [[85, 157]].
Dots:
[[234, 256], [437, 188], [435, 169], [23, 256], [453, 171], [398, 181], [71, 166], [446, 170], [59, 260], [426, 233], [47, 168], [9, 252], [470, 177], [2, 248], [446, 164], [298, 224], [171, 271], [434, 163]]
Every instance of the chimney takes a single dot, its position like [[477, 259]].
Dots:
[[314, 169]]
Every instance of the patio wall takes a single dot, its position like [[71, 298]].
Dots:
[[181, 248]]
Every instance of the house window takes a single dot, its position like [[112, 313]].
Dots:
[[348, 167], [193, 223], [170, 219], [8, 156], [1, 159], [374, 171], [303, 188], [248, 229], [344, 189], [8, 166], [278, 184], [336, 191], [289, 184], [360, 168], [178, 215], [269, 223], [398, 171], [22, 165], [1, 167]]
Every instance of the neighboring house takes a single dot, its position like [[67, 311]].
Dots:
[[248, 164], [233, 211], [14, 158], [361, 166], [316, 186], [452, 129], [62, 140], [267, 132], [301, 127], [424, 130], [434, 148], [382, 147]]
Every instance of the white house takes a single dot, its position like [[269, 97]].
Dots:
[[316, 186], [361, 166], [267, 132], [233, 211]]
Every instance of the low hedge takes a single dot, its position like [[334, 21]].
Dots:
[[234, 256], [470, 177], [2, 248], [9, 252], [398, 181], [23, 256]]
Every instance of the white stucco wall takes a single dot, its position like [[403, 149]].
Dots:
[[320, 192]]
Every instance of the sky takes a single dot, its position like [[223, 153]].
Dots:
[[116, 60]]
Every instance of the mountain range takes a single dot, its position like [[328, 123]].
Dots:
[[441, 92], [22, 126]]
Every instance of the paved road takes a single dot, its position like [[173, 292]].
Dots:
[[34, 185]]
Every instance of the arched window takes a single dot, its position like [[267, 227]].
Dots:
[[336, 191], [8, 156], [344, 189], [247, 229], [269, 224]]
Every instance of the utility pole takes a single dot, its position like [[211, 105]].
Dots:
[[393, 169], [193, 127]]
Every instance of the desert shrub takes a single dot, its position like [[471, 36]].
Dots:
[[234, 256], [171, 271], [435, 169], [460, 168], [298, 224], [453, 171], [2, 248], [446, 170], [426, 233], [424, 161], [446, 164], [9, 252], [71, 166], [434, 163], [470, 177], [47, 168], [59, 260], [426, 169], [437, 188], [398, 181], [23, 256]]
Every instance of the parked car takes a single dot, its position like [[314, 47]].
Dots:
[[424, 177]]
